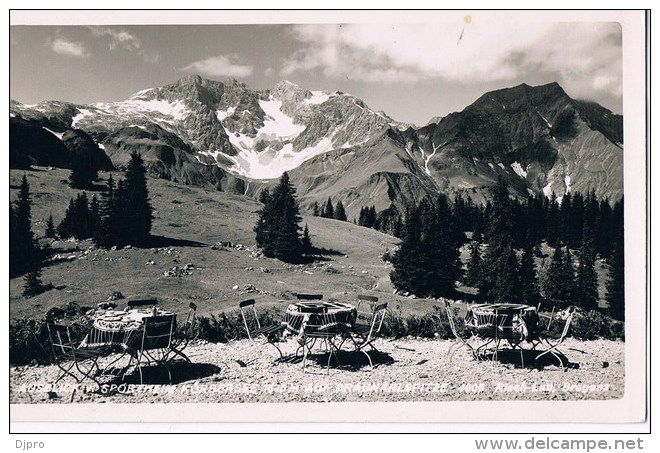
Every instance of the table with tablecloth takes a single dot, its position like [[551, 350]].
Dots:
[[310, 317], [119, 328]]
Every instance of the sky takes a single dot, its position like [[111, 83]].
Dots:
[[411, 71]]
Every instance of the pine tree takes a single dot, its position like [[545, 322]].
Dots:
[[106, 233], [315, 209], [306, 241], [529, 282], [586, 284], [24, 252], [328, 210], [277, 229], [264, 196], [507, 278], [428, 261], [66, 228], [137, 210], [407, 273], [500, 277], [50, 228], [616, 285], [558, 280], [475, 270], [33, 285], [83, 172], [340, 213]]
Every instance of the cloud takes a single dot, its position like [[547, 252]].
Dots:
[[220, 66], [70, 48], [586, 56], [122, 39]]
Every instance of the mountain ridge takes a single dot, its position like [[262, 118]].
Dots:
[[229, 136]]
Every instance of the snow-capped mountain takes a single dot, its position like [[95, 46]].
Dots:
[[255, 134], [226, 135]]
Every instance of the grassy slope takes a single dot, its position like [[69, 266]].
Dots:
[[201, 217], [191, 220]]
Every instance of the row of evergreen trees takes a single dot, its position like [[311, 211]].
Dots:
[[329, 211], [123, 215], [502, 262]]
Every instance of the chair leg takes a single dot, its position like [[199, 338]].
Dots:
[[179, 353], [67, 371]]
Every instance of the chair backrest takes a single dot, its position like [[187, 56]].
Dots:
[[60, 339], [451, 320], [567, 325], [141, 303], [377, 317], [368, 298], [309, 296], [243, 307], [157, 332], [190, 319]]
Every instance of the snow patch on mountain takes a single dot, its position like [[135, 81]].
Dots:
[[318, 97], [176, 110], [543, 118], [519, 170], [56, 134], [277, 123], [222, 114], [270, 163], [567, 183], [82, 114]]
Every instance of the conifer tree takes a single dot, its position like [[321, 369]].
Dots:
[[586, 284], [277, 229], [24, 252], [328, 210], [428, 261], [500, 278], [558, 280], [529, 282], [315, 209], [340, 212], [33, 285], [50, 228], [616, 285], [306, 241], [106, 233], [83, 172], [137, 210], [475, 270], [264, 196]]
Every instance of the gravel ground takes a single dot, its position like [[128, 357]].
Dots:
[[405, 370]]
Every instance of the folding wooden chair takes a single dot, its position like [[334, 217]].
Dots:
[[363, 334], [454, 331], [179, 344], [68, 357], [270, 332], [553, 340], [154, 345]]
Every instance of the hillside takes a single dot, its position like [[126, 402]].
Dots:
[[189, 222]]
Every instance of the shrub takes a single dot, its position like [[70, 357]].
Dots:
[[229, 326], [590, 326], [424, 326], [28, 338]]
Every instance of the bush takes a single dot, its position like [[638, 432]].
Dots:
[[229, 326], [590, 326], [28, 338], [434, 325]]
